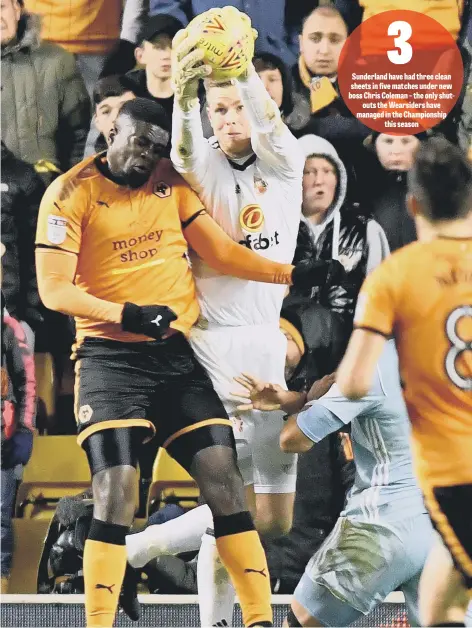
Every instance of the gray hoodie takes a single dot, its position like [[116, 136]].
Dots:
[[377, 244]]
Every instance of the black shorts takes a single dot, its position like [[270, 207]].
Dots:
[[450, 509], [158, 385]]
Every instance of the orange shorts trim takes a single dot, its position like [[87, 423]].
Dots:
[[116, 423], [445, 529], [195, 426]]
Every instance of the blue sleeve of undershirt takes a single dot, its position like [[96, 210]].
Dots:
[[316, 422]]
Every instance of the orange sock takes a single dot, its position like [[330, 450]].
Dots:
[[242, 554], [104, 570]]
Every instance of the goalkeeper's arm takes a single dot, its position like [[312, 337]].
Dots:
[[271, 139], [190, 152]]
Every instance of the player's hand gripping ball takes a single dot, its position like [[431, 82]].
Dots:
[[226, 39]]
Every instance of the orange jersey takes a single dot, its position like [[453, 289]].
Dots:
[[129, 243], [422, 295], [80, 26]]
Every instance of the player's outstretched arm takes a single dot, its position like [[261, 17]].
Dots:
[[55, 271], [220, 252], [258, 395], [271, 139], [374, 321], [190, 152], [356, 371]]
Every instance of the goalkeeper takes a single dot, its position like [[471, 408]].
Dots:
[[249, 177]]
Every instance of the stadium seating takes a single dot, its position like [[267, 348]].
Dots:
[[29, 537], [45, 389], [58, 467]]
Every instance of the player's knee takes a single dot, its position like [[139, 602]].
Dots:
[[219, 479], [225, 494], [273, 527], [114, 493], [291, 442]]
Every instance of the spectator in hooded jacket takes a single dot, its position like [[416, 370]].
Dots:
[[45, 106], [21, 193], [18, 409], [332, 229], [386, 188]]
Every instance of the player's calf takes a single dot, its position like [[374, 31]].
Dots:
[[112, 455], [212, 456], [443, 596], [274, 514]]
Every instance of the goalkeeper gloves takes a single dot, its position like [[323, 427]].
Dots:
[[313, 273], [187, 69], [148, 320]]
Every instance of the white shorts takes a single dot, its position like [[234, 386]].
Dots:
[[259, 350]]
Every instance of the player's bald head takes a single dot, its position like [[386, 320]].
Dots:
[[441, 181], [145, 110]]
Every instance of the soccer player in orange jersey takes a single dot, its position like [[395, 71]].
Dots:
[[112, 241], [422, 296]]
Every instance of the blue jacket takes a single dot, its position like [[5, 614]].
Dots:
[[267, 17]]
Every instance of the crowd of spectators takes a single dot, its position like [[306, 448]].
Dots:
[[67, 68]]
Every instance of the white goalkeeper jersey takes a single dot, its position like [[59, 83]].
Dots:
[[256, 200]]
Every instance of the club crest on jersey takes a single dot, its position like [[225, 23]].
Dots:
[[57, 229], [162, 189], [251, 218]]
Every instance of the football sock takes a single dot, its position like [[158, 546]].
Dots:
[[183, 534], [104, 569], [241, 552], [215, 590]]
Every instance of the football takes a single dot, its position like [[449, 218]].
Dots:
[[227, 41]]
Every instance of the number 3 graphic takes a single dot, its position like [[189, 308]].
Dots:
[[403, 32], [458, 346]]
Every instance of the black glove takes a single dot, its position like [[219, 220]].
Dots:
[[120, 60], [149, 320], [313, 273]]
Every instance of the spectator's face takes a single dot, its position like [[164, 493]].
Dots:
[[321, 42], [155, 56], [135, 149], [228, 120], [396, 152], [106, 112], [9, 18], [272, 80], [320, 180]]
